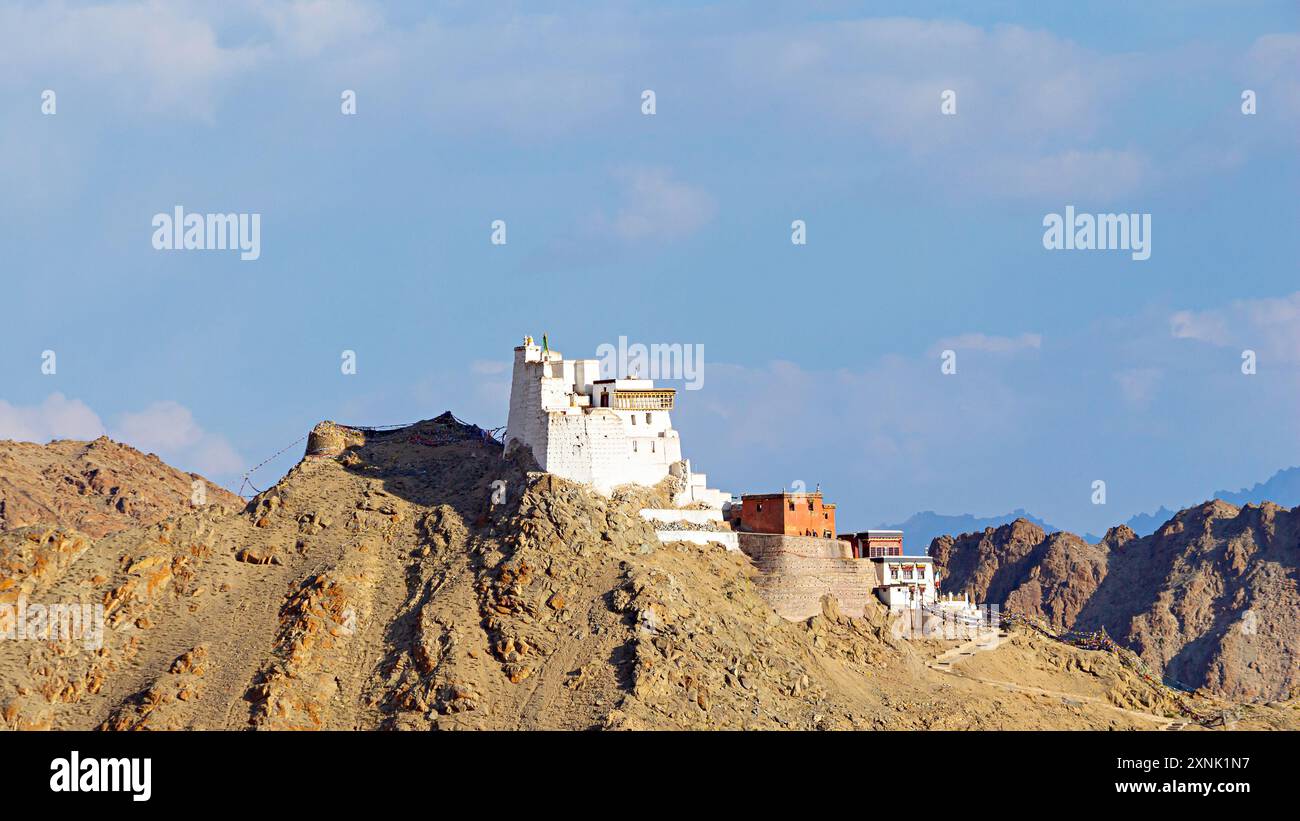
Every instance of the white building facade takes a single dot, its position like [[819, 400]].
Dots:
[[602, 432], [905, 581]]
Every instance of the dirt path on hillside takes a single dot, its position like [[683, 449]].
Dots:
[[576, 650], [944, 662]]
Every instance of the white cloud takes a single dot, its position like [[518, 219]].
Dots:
[[161, 426], [657, 207], [898, 416], [169, 429], [170, 58], [1273, 68], [309, 27], [990, 343], [1078, 174], [166, 428], [58, 417], [1031, 104], [212, 455], [489, 387], [526, 75], [1012, 427], [1138, 385], [158, 56], [653, 209], [1205, 326], [886, 75], [488, 366], [1270, 326]]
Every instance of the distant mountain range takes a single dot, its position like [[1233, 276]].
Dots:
[[1143, 524], [920, 529], [1282, 488]]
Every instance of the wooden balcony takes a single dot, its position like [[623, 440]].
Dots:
[[652, 400]]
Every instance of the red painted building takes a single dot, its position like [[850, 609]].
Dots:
[[789, 514]]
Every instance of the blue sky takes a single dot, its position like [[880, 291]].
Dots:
[[822, 360]]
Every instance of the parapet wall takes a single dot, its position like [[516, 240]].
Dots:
[[677, 514], [796, 571], [726, 538], [330, 439]]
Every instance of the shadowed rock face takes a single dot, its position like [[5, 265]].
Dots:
[[1023, 569], [1210, 598], [96, 488]]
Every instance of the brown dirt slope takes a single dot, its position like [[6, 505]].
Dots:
[[378, 586], [96, 487]]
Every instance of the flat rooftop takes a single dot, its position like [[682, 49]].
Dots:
[[782, 495]]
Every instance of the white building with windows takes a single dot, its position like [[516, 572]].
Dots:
[[905, 581], [603, 432]]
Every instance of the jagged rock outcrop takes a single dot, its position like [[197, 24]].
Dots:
[[1211, 598], [1020, 567]]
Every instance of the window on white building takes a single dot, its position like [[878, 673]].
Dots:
[[647, 418]]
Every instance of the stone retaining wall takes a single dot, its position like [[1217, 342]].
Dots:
[[796, 571]]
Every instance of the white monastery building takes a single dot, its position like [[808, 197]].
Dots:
[[905, 581], [600, 432]]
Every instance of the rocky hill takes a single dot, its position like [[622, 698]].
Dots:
[[1211, 598], [1024, 569], [416, 579], [97, 487]]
